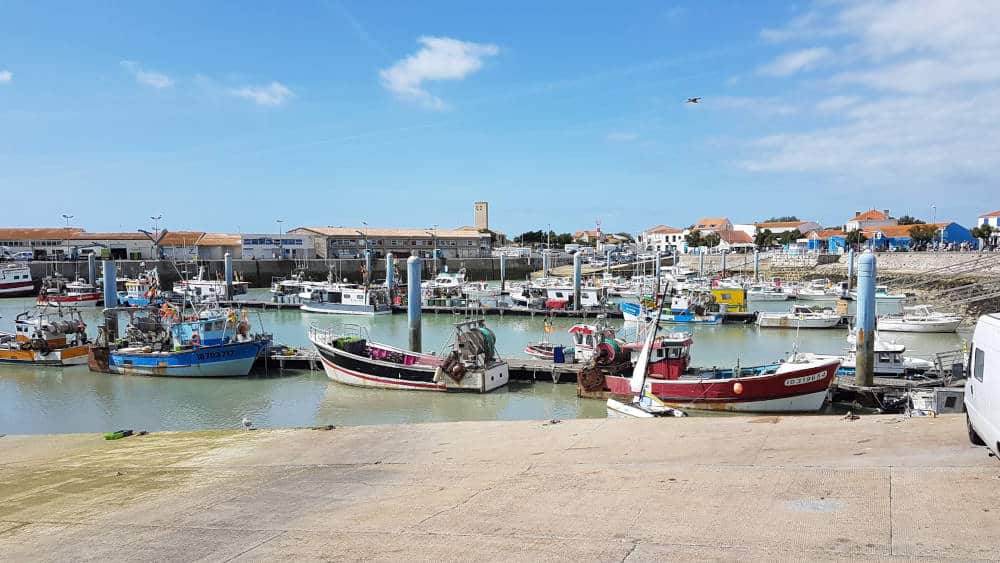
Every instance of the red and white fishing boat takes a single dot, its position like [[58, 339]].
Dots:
[[15, 280], [796, 384], [56, 290]]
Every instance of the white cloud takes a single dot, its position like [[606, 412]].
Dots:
[[923, 106], [837, 103], [760, 106], [796, 61], [622, 136], [157, 80], [273, 94], [6, 76], [440, 58]]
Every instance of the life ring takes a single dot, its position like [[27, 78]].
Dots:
[[195, 339]]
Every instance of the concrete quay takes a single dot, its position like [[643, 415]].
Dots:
[[709, 488]]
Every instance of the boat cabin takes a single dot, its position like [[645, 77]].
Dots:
[[669, 357]]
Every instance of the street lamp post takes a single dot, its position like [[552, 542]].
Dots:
[[281, 234], [434, 252], [156, 223]]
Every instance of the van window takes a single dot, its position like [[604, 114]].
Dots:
[[979, 364]]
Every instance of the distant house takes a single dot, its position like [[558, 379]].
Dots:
[[661, 238], [587, 237], [992, 219], [735, 241], [871, 218], [826, 240], [214, 246], [713, 225]]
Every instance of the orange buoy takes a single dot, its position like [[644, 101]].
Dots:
[[738, 388]]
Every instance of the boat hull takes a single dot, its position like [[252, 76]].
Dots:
[[76, 300], [69, 356], [226, 360], [901, 325], [768, 296], [357, 371], [792, 390], [17, 289], [346, 309], [767, 321]]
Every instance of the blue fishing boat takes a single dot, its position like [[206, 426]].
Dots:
[[213, 342]]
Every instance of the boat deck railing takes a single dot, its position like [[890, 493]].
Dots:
[[327, 333]]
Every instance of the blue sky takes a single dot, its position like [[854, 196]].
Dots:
[[226, 116]]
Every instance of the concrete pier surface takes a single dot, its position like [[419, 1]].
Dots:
[[710, 488]]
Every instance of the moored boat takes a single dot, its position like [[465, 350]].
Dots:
[[801, 316], [351, 358], [768, 293], [142, 291], [344, 299], [57, 290], [15, 280], [162, 342], [47, 335], [797, 384], [682, 311], [920, 318], [201, 289]]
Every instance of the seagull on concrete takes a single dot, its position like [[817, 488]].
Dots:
[[693, 100], [247, 425]]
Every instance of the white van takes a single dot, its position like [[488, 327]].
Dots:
[[982, 388]]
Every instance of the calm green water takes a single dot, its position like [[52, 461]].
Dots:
[[73, 399]]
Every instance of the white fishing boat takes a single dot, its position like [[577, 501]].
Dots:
[[49, 335], [58, 290], [200, 289], [801, 316], [883, 295], [818, 290], [15, 280], [344, 299], [920, 318], [768, 293], [890, 360]]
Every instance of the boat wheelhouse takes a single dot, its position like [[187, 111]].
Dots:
[[200, 289], [142, 291]]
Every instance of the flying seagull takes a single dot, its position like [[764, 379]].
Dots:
[[693, 100]]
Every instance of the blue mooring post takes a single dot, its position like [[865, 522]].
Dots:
[[390, 274], [503, 271], [92, 269], [850, 269], [865, 311], [724, 263], [577, 279], [413, 300], [229, 275], [110, 284], [756, 265], [701, 263]]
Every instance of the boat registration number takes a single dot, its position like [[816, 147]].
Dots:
[[215, 355], [806, 379]]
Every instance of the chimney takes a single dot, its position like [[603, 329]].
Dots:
[[857, 213], [886, 211]]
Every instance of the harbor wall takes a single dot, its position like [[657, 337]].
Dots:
[[259, 273]]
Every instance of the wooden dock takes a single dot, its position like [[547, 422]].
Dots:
[[260, 304], [482, 310], [533, 369]]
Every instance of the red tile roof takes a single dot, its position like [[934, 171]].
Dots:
[[992, 214], [45, 233], [663, 230], [220, 239], [824, 234], [109, 236], [735, 237], [871, 215], [181, 238], [711, 222], [897, 231], [780, 224]]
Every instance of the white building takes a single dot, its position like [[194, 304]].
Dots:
[[778, 227], [870, 218], [991, 219], [661, 238], [290, 246]]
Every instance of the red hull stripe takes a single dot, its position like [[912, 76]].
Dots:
[[381, 380]]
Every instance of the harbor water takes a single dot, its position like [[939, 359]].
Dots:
[[73, 399]]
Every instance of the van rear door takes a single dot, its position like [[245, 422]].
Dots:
[[982, 394]]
